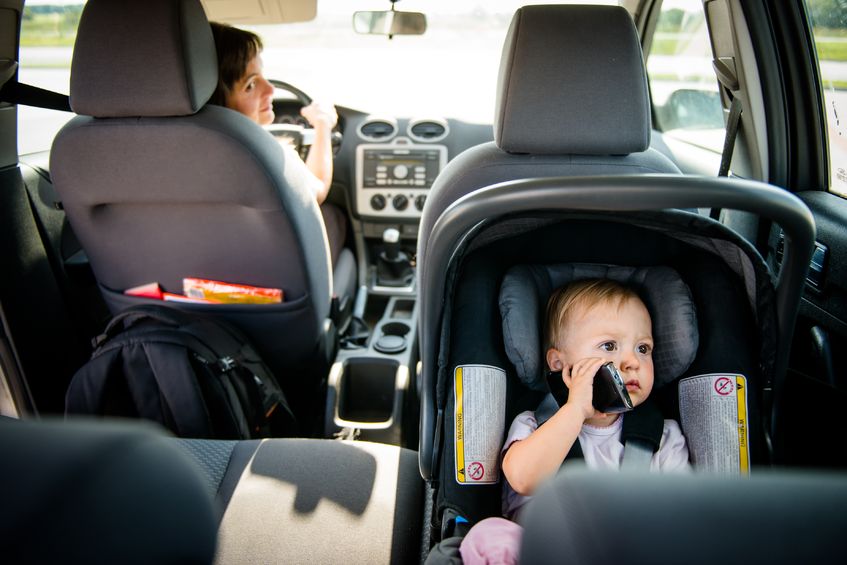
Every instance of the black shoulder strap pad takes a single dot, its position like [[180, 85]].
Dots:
[[644, 423]]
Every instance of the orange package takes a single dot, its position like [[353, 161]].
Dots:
[[229, 293]]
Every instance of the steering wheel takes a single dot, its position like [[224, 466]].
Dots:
[[301, 96], [295, 133]]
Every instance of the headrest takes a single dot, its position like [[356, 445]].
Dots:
[[572, 80], [142, 58], [523, 303]]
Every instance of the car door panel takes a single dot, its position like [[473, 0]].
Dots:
[[812, 430]]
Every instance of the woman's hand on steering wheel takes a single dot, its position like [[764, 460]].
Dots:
[[318, 115], [314, 113]]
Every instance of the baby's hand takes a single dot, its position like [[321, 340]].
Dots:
[[581, 388], [318, 114]]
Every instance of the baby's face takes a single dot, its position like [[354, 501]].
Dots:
[[621, 333]]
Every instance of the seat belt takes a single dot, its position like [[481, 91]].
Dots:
[[725, 71], [732, 123], [18, 93]]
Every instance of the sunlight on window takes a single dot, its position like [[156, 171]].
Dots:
[[829, 26], [450, 71], [48, 31], [685, 94]]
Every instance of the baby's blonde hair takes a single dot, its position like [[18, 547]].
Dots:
[[584, 293]]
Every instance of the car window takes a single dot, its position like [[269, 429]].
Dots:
[[450, 71], [684, 89], [48, 30], [829, 27]]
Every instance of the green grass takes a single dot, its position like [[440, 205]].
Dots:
[[831, 51], [664, 46], [830, 32], [47, 41], [56, 28], [827, 50]]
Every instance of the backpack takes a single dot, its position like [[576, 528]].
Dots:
[[195, 375]]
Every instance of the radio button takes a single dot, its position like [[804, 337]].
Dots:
[[377, 201], [400, 202], [401, 171]]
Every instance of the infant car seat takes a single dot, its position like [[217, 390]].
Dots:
[[528, 235]]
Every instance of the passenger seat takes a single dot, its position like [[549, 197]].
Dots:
[[572, 100], [110, 492]]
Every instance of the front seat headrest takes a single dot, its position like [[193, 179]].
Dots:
[[572, 81], [124, 67]]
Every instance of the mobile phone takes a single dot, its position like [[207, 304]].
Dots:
[[609, 396]]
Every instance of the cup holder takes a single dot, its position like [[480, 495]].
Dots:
[[393, 338]]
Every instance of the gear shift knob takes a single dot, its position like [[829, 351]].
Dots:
[[391, 239]]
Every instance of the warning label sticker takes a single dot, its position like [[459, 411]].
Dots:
[[713, 416], [480, 394]]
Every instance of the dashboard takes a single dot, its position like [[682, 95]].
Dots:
[[384, 167], [393, 180]]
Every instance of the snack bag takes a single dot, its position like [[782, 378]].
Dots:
[[228, 293]]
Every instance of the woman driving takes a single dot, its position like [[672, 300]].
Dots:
[[243, 88]]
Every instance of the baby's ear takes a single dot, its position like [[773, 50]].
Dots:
[[554, 360]]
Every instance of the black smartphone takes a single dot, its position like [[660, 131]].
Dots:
[[609, 396]]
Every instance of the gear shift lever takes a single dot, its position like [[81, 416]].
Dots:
[[391, 241], [393, 265]]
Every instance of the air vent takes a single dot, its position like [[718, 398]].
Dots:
[[428, 131], [378, 130]]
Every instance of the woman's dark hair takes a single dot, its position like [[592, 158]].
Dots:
[[235, 48]]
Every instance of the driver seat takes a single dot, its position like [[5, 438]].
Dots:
[[159, 186]]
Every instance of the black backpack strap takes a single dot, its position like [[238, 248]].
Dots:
[[178, 397], [132, 316]]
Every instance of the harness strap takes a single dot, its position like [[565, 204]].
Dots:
[[641, 433], [636, 455]]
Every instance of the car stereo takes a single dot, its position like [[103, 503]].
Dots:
[[392, 181]]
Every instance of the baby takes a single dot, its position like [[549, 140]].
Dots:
[[589, 323]]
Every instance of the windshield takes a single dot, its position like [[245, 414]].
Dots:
[[450, 71]]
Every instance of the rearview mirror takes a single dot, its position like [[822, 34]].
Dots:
[[389, 22]]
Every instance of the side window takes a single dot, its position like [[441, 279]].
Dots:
[[686, 100], [48, 31], [829, 27]]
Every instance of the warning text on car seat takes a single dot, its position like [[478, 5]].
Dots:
[[713, 416], [480, 397]]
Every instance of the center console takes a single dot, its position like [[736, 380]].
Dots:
[[371, 393]]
